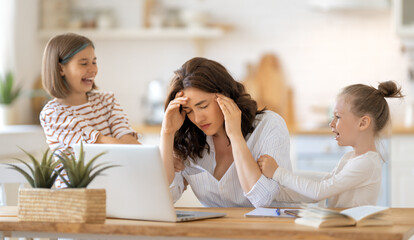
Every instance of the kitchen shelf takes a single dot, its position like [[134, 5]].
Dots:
[[135, 34], [196, 35]]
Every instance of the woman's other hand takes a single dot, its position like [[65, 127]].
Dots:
[[268, 165], [232, 115], [173, 118]]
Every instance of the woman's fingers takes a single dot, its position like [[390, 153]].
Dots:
[[227, 103], [177, 102], [224, 104]]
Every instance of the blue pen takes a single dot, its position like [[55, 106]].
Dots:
[[277, 212]]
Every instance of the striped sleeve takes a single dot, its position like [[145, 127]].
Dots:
[[118, 121], [63, 129]]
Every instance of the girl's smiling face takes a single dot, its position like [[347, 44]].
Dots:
[[203, 110], [80, 71]]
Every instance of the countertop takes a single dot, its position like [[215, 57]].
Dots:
[[233, 226], [399, 130]]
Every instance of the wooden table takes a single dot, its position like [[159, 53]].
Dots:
[[234, 226]]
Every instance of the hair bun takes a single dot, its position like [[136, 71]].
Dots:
[[389, 89]]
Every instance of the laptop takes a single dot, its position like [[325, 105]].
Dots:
[[138, 188]]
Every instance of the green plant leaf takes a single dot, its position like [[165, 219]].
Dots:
[[44, 158], [25, 163], [65, 181], [34, 160], [89, 164], [39, 178], [80, 175], [81, 164], [86, 181], [43, 173], [53, 177], [68, 166], [7, 93], [24, 173]]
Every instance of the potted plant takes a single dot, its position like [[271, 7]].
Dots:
[[73, 204], [43, 173], [8, 94]]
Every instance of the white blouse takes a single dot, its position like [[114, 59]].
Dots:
[[270, 136], [354, 182]]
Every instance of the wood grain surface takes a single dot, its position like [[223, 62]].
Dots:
[[234, 225]]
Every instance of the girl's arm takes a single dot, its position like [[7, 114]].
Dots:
[[125, 139], [353, 174], [63, 129], [247, 169], [129, 139], [118, 123]]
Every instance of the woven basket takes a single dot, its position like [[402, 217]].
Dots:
[[65, 205]]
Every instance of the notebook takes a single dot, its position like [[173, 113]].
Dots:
[[138, 188]]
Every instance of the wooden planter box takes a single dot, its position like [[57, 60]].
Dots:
[[64, 205]]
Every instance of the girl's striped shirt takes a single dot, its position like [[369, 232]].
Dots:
[[64, 125]]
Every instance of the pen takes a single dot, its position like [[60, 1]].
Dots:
[[277, 212]]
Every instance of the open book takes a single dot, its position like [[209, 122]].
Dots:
[[359, 216]]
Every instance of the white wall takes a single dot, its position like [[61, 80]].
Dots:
[[320, 51]]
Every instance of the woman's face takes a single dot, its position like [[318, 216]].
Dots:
[[203, 110]]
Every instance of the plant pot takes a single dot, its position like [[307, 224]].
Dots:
[[64, 205], [7, 115]]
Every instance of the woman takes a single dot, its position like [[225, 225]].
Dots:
[[214, 127]]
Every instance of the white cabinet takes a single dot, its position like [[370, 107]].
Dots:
[[31, 138], [315, 152], [27, 137], [404, 17], [404, 24], [402, 171]]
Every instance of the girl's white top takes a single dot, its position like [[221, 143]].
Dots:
[[271, 137], [355, 181]]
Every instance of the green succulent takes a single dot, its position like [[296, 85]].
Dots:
[[80, 175], [7, 92], [42, 174]]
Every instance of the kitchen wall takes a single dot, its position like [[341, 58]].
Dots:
[[320, 51]]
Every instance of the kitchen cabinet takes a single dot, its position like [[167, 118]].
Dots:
[[32, 139], [404, 18], [402, 170]]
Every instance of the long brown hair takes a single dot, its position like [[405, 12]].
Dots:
[[211, 77], [369, 100]]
